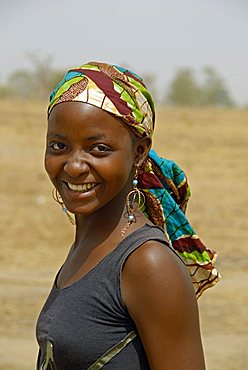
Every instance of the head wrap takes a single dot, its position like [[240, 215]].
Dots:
[[164, 185], [111, 88]]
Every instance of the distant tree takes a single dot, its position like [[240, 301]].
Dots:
[[213, 90], [45, 77], [5, 91], [36, 82], [20, 83], [183, 89]]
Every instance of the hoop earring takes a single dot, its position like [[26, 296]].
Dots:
[[58, 199], [135, 200]]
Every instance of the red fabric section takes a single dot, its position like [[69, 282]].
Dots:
[[148, 180], [183, 191], [188, 245], [106, 85]]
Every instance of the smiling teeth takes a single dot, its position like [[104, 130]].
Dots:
[[82, 188]]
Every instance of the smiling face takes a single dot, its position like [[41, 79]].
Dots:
[[90, 156]]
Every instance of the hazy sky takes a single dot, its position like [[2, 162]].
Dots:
[[155, 36]]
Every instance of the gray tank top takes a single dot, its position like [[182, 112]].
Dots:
[[86, 325]]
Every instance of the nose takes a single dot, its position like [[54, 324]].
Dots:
[[76, 165]]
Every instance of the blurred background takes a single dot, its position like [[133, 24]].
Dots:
[[193, 57]]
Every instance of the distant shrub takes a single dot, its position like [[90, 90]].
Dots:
[[185, 89]]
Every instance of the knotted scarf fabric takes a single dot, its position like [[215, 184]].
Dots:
[[167, 192], [164, 184]]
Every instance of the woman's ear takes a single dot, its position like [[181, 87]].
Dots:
[[142, 149]]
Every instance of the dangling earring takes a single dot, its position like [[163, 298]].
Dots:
[[135, 200], [58, 199]]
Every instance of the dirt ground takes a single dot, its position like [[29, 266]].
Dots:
[[210, 145]]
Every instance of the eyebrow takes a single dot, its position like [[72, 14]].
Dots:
[[56, 136], [90, 138], [96, 137]]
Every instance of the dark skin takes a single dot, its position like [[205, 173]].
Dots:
[[91, 158]]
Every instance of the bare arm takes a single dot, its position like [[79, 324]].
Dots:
[[159, 295]]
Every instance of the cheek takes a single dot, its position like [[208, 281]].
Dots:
[[47, 164], [118, 175], [51, 166]]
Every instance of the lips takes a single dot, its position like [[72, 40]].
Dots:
[[82, 188]]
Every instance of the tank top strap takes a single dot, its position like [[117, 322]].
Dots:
[[135, 240]]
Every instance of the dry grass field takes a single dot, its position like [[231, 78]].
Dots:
[[210, 145]]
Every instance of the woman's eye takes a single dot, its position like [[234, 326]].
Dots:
[[57, 146], [101, 148]]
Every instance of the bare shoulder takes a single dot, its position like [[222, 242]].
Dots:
[[154, 273], [159, 295], [156, 262]]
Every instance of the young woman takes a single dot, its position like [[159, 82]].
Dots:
[[125, 297]]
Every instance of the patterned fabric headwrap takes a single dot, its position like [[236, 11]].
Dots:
[[164, 184]]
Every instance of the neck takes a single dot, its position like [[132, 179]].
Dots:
[[102, 224]]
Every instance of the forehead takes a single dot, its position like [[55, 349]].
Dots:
[[81, 118]]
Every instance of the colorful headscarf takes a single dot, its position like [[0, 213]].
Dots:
[[164, 184], [111, 88], [167, 192]]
